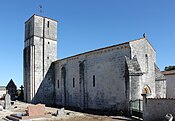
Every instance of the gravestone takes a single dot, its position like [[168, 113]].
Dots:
[[1, 108], [7, 103], [36, 110], [61, 112]]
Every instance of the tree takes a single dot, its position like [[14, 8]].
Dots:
[[168, 68]]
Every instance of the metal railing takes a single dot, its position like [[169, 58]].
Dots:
[[136, 108]]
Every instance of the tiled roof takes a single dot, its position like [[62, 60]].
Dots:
[[102, 49], [172, 72]]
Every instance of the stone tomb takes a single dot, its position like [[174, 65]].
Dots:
[[36, 110], [33, 112]]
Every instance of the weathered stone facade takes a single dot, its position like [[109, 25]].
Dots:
[[93, 80], [103, 79], [155, 109], [40, 50]]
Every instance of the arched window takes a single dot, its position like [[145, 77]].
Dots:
[[146, 90]]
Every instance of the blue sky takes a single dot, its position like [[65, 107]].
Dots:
[[86, 25]]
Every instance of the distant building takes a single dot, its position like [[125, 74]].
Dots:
[[104, 79], [2, 91], [170, 80], [11, 87]]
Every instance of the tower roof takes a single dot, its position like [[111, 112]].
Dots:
[[171, 72]]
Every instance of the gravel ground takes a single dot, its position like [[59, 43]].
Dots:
[[20, 107]]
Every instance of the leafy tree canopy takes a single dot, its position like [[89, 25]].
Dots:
[[168, 68]]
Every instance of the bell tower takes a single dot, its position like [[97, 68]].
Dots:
[[40, 50]]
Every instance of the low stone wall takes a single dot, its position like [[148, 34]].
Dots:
[[155, 109]]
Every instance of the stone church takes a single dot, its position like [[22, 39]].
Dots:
[[104, 79]]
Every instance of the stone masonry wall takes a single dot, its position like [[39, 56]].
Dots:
[[156, 109], [94, 80], [146, 57], [161, 89]]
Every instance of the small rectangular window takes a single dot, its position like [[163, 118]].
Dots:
[[73, 82], [58, 84], [48, 24], [93, 80], [28, 32]]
